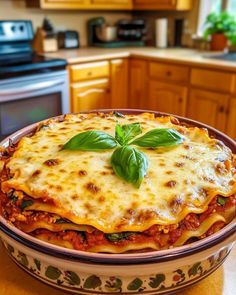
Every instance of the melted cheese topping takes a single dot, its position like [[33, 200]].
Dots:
[[84, 188]]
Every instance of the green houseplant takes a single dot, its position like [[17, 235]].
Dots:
[[222, 28]]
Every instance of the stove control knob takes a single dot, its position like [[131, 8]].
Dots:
[[22, 28], [13, 28]]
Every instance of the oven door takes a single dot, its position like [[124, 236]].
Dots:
[[30, 99]]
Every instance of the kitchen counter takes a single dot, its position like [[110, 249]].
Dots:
[[180, 55], [14, 280]]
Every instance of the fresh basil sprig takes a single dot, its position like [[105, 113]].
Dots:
[[127, 162], [91, 141], [159, 137], [127, 132]]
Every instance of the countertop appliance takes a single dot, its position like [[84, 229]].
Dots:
[[129, 33], [68, 39], [32, 87], [132, 30]]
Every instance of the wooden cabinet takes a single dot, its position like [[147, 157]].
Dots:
[[208, 107], [138, 84], [92, 70], [168, 98], [81, 4], [162, 4], [231, 122], [90, 95], [212, 80], [169, 72], [110, 4], [119, 83], [58, 4]]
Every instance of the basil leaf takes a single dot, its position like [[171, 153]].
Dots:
[[127, 132], [117, 237], [159, 137], [91, 141], [221, 201], [129, 164], [119, 115], [26, 203]]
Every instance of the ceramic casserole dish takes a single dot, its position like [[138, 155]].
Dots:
[[151, 272]]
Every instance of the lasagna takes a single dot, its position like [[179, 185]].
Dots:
[[74, 199]]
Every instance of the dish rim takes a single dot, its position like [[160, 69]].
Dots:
[[130, 258]]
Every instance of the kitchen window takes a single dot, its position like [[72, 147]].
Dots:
[[207, 7]]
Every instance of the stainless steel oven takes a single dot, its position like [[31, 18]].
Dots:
[[32, 87], [32, 98]]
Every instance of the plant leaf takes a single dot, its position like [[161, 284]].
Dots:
[[127, 132], [129, 164], [159, 137], [91, 141]]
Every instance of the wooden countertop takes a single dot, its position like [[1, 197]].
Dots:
[[15, 281], [182, 56]]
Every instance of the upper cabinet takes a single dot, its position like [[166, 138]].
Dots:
[[81, 4], [112, 4], [58, 4], [162, 4]]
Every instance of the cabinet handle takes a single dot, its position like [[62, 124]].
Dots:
[[180, 99], [221, 109], [168, 74], [90, 91], [90, 74]]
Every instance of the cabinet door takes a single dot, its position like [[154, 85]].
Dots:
[[208, 107], [119, 83], [155, 4], [109, 4], [138, 84], [90, 95], [67, 4], [231, 122], [168, 98], [163, 4]]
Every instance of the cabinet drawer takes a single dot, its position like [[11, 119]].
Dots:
[[169, 72], [212, 80], [89, 71]]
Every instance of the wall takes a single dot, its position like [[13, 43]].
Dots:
[[75, 20], [190, 23]]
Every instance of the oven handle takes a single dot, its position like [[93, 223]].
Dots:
[[30, 88]]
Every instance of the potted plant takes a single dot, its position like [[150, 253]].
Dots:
[[222, 28]]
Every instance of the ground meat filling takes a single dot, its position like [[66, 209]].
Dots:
[[16, 203], [13, 207]]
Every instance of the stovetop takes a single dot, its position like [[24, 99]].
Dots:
[[13, 65], [16, 52]]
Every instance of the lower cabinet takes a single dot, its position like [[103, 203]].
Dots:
[[90, 95], [119, 83], [231, 122], [208, 107], [137, 84], [168, 98]]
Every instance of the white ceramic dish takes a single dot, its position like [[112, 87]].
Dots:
[[155, 272]]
